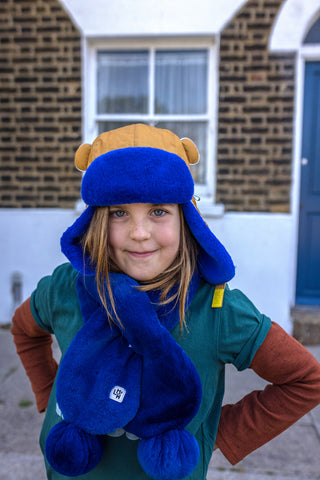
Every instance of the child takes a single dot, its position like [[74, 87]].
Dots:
[[146, 325]]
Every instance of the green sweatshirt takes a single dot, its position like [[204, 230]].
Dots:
[[214, 337]]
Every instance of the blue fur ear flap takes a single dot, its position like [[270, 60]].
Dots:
[[214, 262], [71, 451], [173, 455]]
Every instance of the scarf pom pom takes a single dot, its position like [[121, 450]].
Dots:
[[173, 455], [71, 451]]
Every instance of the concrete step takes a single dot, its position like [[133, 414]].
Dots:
[[306, 324]]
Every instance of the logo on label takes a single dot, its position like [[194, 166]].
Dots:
[[117, 394]]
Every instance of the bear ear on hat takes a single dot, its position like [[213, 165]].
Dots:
[[81, 159], [191, 150]]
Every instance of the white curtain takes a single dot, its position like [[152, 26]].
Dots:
[[181, 82], [122, 82]]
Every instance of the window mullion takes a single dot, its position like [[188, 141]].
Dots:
[[213, 94], [90, 86], [151, 81], [123, 116], [155, 117]]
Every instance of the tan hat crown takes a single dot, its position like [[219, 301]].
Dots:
[[137, 135]]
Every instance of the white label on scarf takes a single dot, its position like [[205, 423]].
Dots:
[[117, 394], [58, 411]]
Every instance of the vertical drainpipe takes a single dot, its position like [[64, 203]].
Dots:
[[16, 289]]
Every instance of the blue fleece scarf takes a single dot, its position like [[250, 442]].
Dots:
[[114, 377]]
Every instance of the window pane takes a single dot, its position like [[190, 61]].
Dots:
[[197, 132], [122, 82], [313, 35], [109, 125], [181, 81]]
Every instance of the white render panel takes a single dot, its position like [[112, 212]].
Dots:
[[30, 246], [263, 250]]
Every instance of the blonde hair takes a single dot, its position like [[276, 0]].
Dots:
[[178, 274]]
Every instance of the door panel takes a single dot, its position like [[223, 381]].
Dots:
[[308, 273]]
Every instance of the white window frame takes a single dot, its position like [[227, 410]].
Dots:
[[90, 124]]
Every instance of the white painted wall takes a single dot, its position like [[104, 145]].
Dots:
[[29, 245], [150, 17], [260, 244], [263, 250]]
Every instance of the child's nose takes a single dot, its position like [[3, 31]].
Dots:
[[140, 230]]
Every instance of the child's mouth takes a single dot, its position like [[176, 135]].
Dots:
[[141, 254]]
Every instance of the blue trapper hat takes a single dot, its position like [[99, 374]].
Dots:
[[143, 164]]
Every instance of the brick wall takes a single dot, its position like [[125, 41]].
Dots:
[[256, 104], [40, 102]]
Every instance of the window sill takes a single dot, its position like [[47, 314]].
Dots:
[[209, 209], [79, 207]]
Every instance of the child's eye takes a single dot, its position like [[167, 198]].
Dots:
[[159, 212], [117, 213]]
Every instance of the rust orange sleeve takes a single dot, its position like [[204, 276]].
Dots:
[[294, 389], [34, 347]]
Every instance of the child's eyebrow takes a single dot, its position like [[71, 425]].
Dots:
[[163, 204]]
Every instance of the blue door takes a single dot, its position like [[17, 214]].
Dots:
[[308, 273]]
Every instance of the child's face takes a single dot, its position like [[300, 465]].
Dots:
[[144, 238]]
